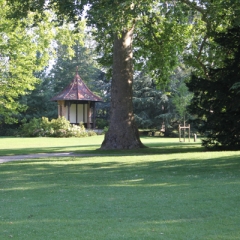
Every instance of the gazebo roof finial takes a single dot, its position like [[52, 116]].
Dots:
[[77, 90]]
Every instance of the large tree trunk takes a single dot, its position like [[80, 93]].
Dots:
[[123, 132]]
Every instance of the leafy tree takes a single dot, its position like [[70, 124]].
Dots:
[[26, 47], [38, 101], [209, 18], [215, 101], [22, 53], [116, 40], [180, 96], [154, 108], [64, 69]]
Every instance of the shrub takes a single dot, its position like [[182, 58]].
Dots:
[[105, 130], [91, 133], [59, 127], [101, 123], [31, 129]]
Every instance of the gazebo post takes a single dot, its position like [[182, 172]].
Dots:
[[88, 115], [76, 112], [94, 115], [69, 106]]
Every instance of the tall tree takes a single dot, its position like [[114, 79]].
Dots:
[[160, 31], [38, 102], [215, 101], [22, 53], [116, 36], [212, 83], [26, 46], [181, 100]]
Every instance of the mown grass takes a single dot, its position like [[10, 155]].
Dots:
[[21, 146], [171, 191]]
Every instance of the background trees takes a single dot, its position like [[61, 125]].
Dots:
[[158, 109]]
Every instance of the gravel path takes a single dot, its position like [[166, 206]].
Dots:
[[4, 159]]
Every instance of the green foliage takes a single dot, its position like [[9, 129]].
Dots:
[[162, 35], [161, 32], [209, 18], [105, 130], [154, 108], [19, 47], [216, 101], [38, 101], [59, 127], [101, 123], [149, 103], [91, 133], [26, 46], [181, 99], [64, 69]]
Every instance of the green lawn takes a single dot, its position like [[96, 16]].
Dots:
[[171, 191]]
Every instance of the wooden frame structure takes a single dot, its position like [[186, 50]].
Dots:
[[184, 127]]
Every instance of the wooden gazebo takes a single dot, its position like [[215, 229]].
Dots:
[[77, 103]]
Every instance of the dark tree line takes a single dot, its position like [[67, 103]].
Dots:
[[216, 98]]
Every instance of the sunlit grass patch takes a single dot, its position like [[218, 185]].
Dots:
[[182, 194]]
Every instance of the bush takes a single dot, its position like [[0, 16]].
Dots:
[[105, 130], [59, 127], [91, 133], [31, 129], [101, 123]]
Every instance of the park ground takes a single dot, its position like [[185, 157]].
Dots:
[[170, 191]]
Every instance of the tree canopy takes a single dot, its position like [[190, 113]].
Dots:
[[26, 47], [23, 52]]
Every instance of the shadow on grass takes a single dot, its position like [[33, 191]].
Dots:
[[62, 167], [152, 148], [137, 200], [25, 151]]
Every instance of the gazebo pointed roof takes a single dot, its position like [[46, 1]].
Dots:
[[77, 90]]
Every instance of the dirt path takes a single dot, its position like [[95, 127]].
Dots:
[[4, 159]]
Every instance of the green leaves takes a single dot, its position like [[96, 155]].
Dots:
[[26, 46]]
